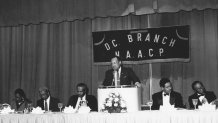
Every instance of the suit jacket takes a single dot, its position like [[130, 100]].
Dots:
[[209, 95], [53, 105], [175, 98], [126, 77], [91, 102]]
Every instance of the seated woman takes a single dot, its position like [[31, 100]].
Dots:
[[20, 102]]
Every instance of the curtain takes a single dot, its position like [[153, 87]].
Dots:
[[59, 55], [54, 55], [35, 11], [203, 64]]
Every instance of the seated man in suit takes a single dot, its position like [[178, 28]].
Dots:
[[47, 102], [201, 94], [82, 96], [124, 76], [166, 96]]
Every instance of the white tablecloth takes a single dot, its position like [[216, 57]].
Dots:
[[179, 116]]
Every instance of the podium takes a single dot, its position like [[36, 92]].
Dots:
[[130, 94]]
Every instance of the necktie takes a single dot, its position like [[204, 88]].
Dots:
[[80, 102], [46, 106], [115, 78], [118, 78], [200, 95]]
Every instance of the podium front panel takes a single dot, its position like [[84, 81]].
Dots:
[[131, 95]]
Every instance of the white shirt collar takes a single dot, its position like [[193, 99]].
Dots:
[[78, 101], [84, 97], [119, 71], [165, 93], [48, 99], [200, 94], [166, 99], [201, 97]]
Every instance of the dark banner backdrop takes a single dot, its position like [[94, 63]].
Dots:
[[162, 44]]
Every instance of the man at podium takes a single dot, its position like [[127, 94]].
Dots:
[[120, 75]]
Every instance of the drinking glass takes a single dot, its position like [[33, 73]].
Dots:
[[30, 107], [149, 103], [195, 102], [1, 106], [60, 105]]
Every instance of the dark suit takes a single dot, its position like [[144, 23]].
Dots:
[[53, 105], [91, 102], [175, 99], [126, 77], [209, 95]]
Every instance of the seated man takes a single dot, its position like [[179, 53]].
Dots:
[[47, 102], [124, 76], [201, 94], [166, 96], [82, 95]]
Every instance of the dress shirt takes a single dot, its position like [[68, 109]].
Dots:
[[79, 100], [119, 71], [48, 102], [117, 77], [166, 99]]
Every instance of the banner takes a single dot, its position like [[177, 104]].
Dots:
[[165, 44]]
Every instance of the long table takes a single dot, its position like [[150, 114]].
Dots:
[[178, 116]]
